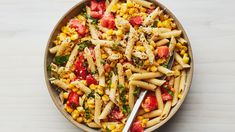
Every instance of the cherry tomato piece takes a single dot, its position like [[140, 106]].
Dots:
[[73, 100], [136, 21], [90, 80], [137, 127], [163, 51], [150, 102]]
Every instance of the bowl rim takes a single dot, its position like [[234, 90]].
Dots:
[[83, 126]]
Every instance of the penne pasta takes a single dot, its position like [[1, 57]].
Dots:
[[139, 76], [158, 94], [144, 3], [131, 41], [133, 68], [104, 43], [128, 74], [131, 96], [93, 31], [108, 9], [141, 112], [156, 81], [152, 114], [174, 33], [151, 17], [107, 109], [72, 58], [165, 71], [63, 47], [177, 67], [99, 65], [176, 90], [113, 89], [54, 49], [60, 84], [153, 122], [93, 125], [120, 74], [98, 106], [81, 86], [90, 61], [162, 42], [182, 81], [172, 45], [148, 49], [166, 109], [143, 84]]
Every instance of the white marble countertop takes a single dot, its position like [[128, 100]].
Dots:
[[25, 104]]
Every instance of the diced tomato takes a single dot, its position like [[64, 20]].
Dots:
[[137, 127], [166, 96], [97, 9], [108, 21], [116, 114], [90, 80], [149, 11], [73, 100], [78, 66], [137, 20], [81, 29], [150, 102], [97, 14], [83, 73], [163, 51]]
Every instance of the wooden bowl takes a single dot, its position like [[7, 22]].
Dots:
[[55, 94]]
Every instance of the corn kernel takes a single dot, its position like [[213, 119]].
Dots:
[[111, 127], [79, 119], [140, 117], [179, 96], [153, 68], [151, 47], [75, 89], [119, 32], [75, 114], [62, 36], [184, 48], [71, 86], [104, 35], [92, 86], [130, 4], [185, 59], [131, 11], [142, 9], [105, 98], [140, 48], [125, 16], [110, 32], [68, 109], [182, 52], [144, 121], [74, 37], [90, 101], [91, 106], [104, 56], [152, 43], [186, 54], [176, 73], [146, 62], [80, 109], [146, 110], [123, 8], [79, 92], [65, 95], [114, 8], [100, 91]]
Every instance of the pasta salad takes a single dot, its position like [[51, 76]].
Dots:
[[108, 53]]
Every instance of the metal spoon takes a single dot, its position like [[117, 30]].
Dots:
[[141, 98]]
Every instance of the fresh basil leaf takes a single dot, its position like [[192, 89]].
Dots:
[[84, 44], [49, 68], [136, 91], [125, 109], [60, 60], [87, 113]]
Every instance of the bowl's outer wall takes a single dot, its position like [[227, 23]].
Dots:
[[48, 59]]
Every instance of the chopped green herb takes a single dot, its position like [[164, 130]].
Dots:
[[49, 68], [115, 70], [94, 72], [93, 20], [122, 90], [87, 113], [136, 91], [107, 129], [84, 44], [60, 60], [115, 46], [102, 62], [137, 61], [125, 109], [171, 93], [85, 64], [155, 23], [92, 94], [165, 65]]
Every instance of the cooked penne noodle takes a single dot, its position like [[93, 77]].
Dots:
[[182, 81], [172, 45], [90, 61], [148, 49], [128, 73], [54, 49], [156, 81], [158, 94], [63, 47], [152, 114], [162, 42], [131, 96], [175, 33], [165, 71], [107, 109], [120, 74], [93, 31], [179, 59], [114, 57], [103, 29], [182, 40], [122, 23], [99, 65], [144, 3], [176, 90], [72, 58], [104, 43], [150, 19], [147, 75], [102, 80], [93, 125], [131, 41], [141, 111], [166, 109], [113, 89], [133, 68], [177, 67], [108, 51], [60, 84], [153, 122], [81, 86], [98, 106], [143, 84]]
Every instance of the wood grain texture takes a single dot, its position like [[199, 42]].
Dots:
[[25, 104]]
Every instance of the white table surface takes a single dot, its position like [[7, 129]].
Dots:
[[25, 104]]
